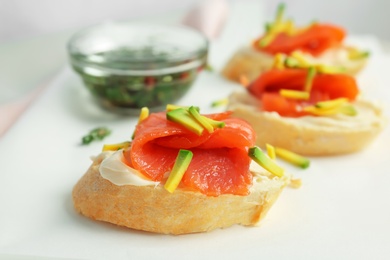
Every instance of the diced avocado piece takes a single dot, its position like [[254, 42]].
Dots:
[[267, 27], [201, 119], [115, 147], [321, 112], [331, 69], [270, 151], [280, 13], [356, 54], [348, 110], [133, 135], [289, 27], [215, 123], [292, 157], [144, 114], [331, 103], [182, 162], [171, 107], [267, 39], [294, 94], [183, 117], [312, 109], [291, 62], [273, 28], [311, 73], [303, 63], [260, 158], [278, 61]]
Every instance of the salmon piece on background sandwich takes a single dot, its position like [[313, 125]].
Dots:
[[319, 43], [310, 109]]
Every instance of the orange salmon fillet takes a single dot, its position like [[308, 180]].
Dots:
[[220, 164]]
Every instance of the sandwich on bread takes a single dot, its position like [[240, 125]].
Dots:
[[308, 108], [318, 42], [182, 173]]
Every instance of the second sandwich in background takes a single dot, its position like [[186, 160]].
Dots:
[[320, 43], [308, 108]]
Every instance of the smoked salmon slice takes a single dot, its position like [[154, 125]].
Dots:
[[220, 163], [314, 40], [325, 87], [335, 85]]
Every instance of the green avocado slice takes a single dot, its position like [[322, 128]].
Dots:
[[260, 158], [182, 162], [183, 117]]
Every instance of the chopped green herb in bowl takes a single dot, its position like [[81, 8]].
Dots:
[[98, 133], [127, 66]]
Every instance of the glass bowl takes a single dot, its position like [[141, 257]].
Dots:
[[127, 66]]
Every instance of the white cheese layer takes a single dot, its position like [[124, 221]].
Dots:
[[113, 169]]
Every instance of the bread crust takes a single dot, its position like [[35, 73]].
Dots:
[[154, 209], [310, 135], [250, 63]]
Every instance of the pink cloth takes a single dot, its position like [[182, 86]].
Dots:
[[9, 112], [208, 17]]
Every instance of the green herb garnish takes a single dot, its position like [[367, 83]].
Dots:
[[96, 134]]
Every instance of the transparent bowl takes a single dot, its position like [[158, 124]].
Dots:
[[127, 66]]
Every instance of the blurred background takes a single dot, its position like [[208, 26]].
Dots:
[[20, 19], [33, 33]]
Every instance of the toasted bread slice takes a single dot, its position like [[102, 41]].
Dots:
[[153, 209]]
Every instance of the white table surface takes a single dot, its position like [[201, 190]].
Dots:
[[342, 211]]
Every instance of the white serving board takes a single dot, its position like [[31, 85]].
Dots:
[[342, 210]]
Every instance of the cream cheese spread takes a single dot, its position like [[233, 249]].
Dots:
[[113, 169]]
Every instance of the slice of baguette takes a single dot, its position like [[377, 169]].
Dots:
[[311, 135], [250, 63], [247, 62], [154, 209]]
